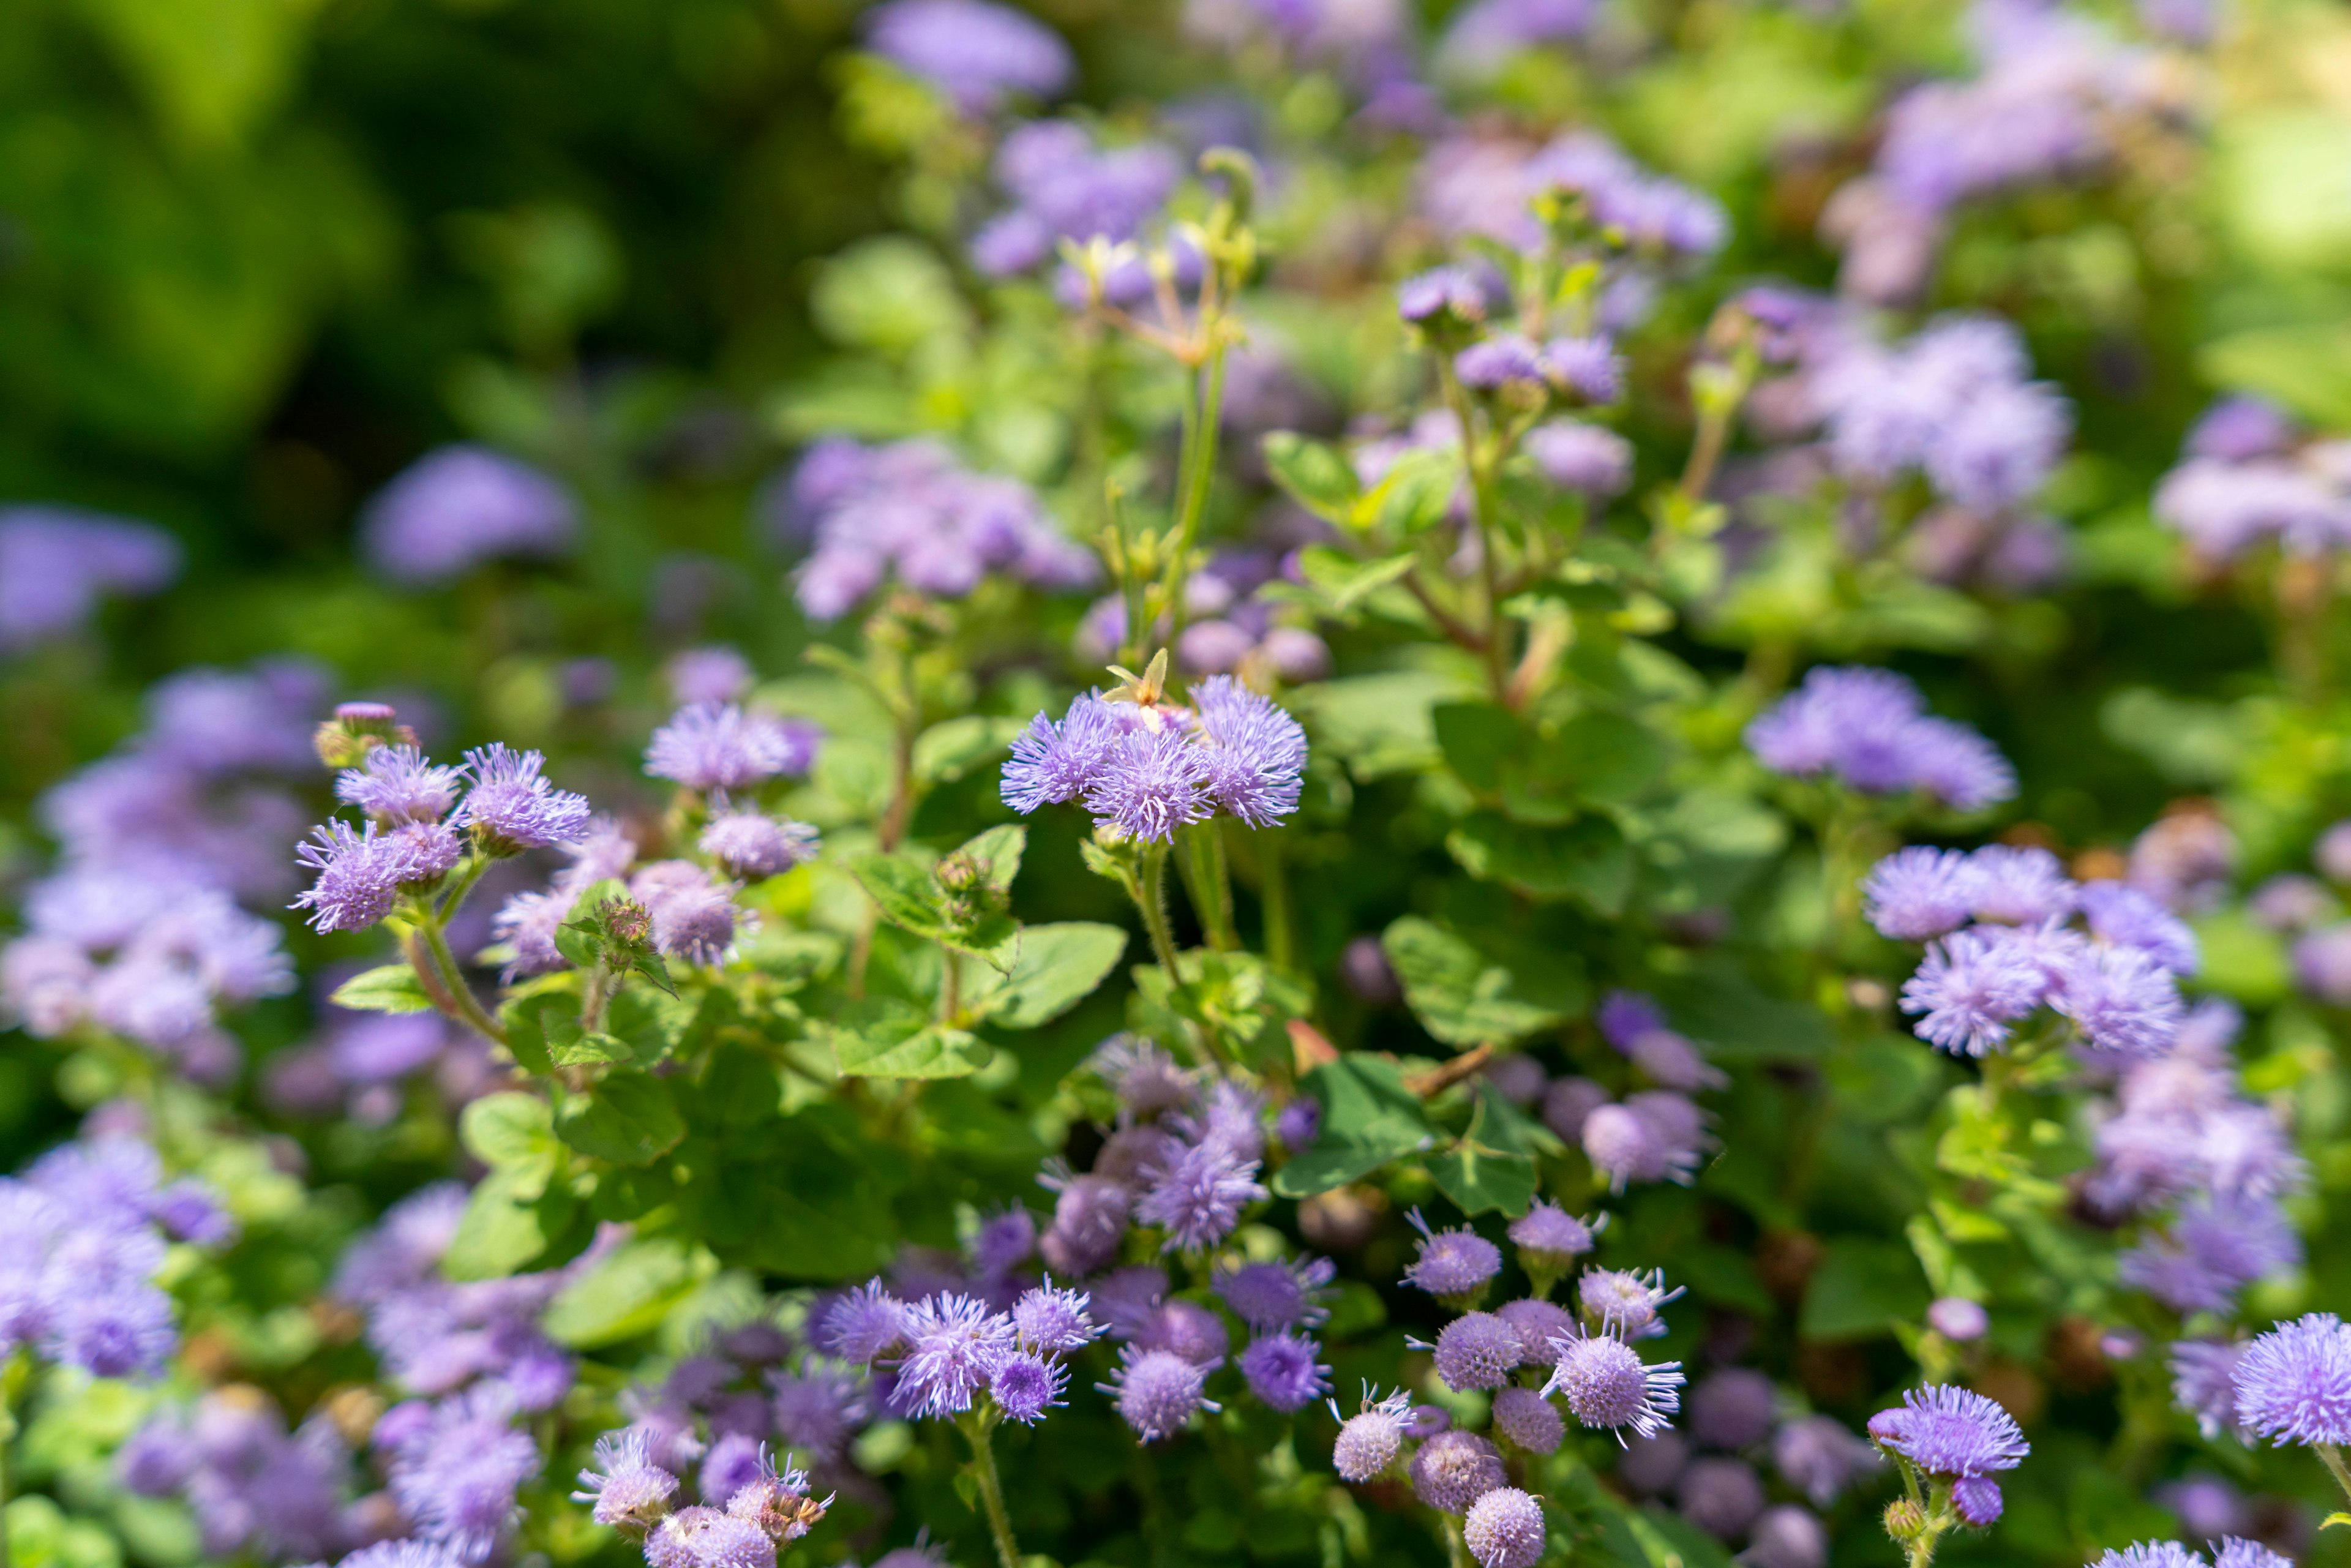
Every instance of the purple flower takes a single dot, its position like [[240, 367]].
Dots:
[[511, 808], [1477, 1350], [55, 562], [1282, 1371], [2121, 1000], [1539, 1322], [2240, 428], [1005, 1240], [1732, 1409], [1999, 446], [1256, 752], [1198, 1199], [1869, 728], [751, 846], [1055, 763], [693, 917], [1918, 893], [2322, 963], [1820, 1458], [2151, 1554], [1568, 1104], [456, 1475], [1454, 1469], [358, 878], [975, 53], [1607, 1385], [1958, 1318], [954, 1345], [1951, 1432], [626, 1488], [1549, 1238], [1494, 363], [1025, 1384], [1977, 1501], [1157, 1392], [819, 1408], [718, 746], [2237, 1552], [1627, 1146], [865, 1324], [399, 785], [1455, 1266], [1055, 1322], [1090, 1218], [2293, 1383], [734, 1461], [2203, 1383], [1151, 783], [1968, 990], [717, 674], [1368, 1441], [458, 507], [1187, 1328], [1585, 458], [1624, 1303], [2129, 918], [1451, 291], [1587, 368], [2216, 1247], [1721, 1497], [1504, 1528], [1787, 1535], [1270, 1297]]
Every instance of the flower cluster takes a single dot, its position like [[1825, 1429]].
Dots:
[[2233, 1552], [1065, 190], [460, 506], [947, 1351], [252, 1486], [83, 1234], [2249, 475], [751, 1506], [1869, 729], [1230, 628], [1147, 769], [912, 510], [1959, 1438], [2115, 982], [975, 53], [57, 562]]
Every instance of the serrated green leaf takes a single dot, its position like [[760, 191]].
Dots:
[[1318, 476], [1458, 996], [389, 989], [1341, 582], [993, 939], [1587, 859], [1059, 964], [511, 1132], [880, 1036], [953, 747], [1369, 1118], [627, 1294], [503, 1228], [905, 890], [526, 1035], [997, 853], [630, 1118], [1480, 1173], [589, 1051]]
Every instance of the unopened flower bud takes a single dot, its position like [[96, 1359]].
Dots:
[[1904, 1519], [358, 729], [957, 873], [628, 922]]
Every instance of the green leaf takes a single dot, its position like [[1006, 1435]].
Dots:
[[907, 893], [1862, 1287], [1340, 582], [1605, 759], [997, 853], [392, 989], [1478, 739], [880, 1036], [1458, 996], [2334, 1520], [1481, 1181], [514, 1133], [994, 939], [629, 1119], [953, 747], [589, 1050], [527, 1035], [1058, 967], [627, 1294], [1379, 725], [655, 1023], [1587, 859], [503, 1228], [1369, 1118], [1318, 476], [1415, 493]]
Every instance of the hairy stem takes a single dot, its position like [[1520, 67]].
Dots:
[[2333, 1455], [595, 997], [1482, 508], [1151, 898], [1209, 879], [461, 995], [950, 986], [1195, 468], [1273, 892], [991, 1489]]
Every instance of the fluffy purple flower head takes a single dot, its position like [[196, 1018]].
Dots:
[[1968, 990], [1732, 1409], [1528, 1419], [2151, 1554], [719, 746], [2217, 1246], [1608, 1385], [1090, 1217], [1144, 1078], [458, 507], [1452, 291], [1721, 1497], [2203, 1383], [1539, 1322], [1054, 1321], [2121, 1000], [1256, 753], [2127, 917], [1455, 1266], [751, 845], [1918, 893], [1581, 457], [1477, 1350], [1625, 1303], [1454, 1469], [716, 673], [1788, 1536], [865, 1324], [1368, 1441], [1198, 1199], [357, 877], [2235, 1551], [1054, 763], [1947, 1431], [1025, 1384], [977, 53], [1641, 1142], [1624, 1016], [1005, 1240], [2239, 429], [1977, 1501], [1299, 1124], [1549, 1238], [1958, 1318], [456, 1475], [954, 1345], [1585, 367], [1282, 1371], [1157, 1392], [1869, 727], [1504, 1529], [734, 1460], [512, 807], [1187, 1328], [399, 785], [1506, 361], [2021, 885], [2322, 963], [1270, 1297], [693, 917], [55, 562]]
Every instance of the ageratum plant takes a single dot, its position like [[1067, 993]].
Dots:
[[1526, 785]]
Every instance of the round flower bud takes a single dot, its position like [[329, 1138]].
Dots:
[[1529, 1420], [1504, 1530], [1454, 1469], [1477, 1350]]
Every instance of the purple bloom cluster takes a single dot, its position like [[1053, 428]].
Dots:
[[1869, 728], [718, 747], [526, 926], [912, 510], [947, 1350], [2294, 1384], [453, 508], [457, 1466], [2233, 1552], [1488, 189], [251, 1485], [82, 1234], [2248, 475], [1954, 1435], [1065, 189], [2117, 983], [57, 562], [1231, 631], [1150, 770], [1483, 34], [975, 53]]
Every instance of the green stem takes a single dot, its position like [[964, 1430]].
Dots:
[[2333, 1455], [1273, 892], [1151, 898], [1457, 1550], [452, 975], [1196, 466], [453, 891], [1210, 881], [950, 986], [991, 1489], [1482, 508], [594, 998], [13, 1373]]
